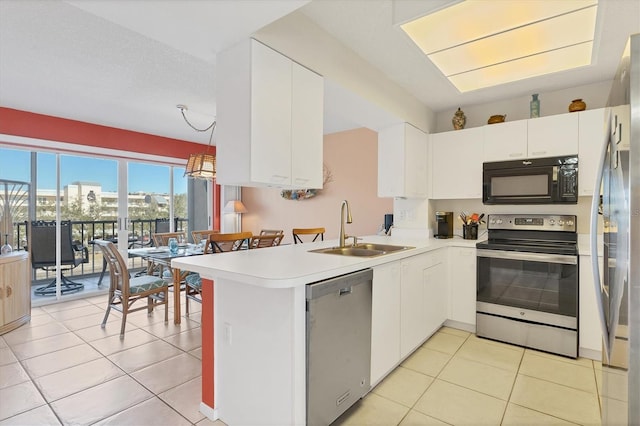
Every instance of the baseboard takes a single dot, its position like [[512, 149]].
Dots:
[[210, 413], [590, 353], [471, 328]]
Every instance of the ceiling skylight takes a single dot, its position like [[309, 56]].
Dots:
[[482, 43]]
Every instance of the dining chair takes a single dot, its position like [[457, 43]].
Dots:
[[217, 243], [317, 232], [162, 238], [125, 291], [267, 238], [198, 236], [43, 255]]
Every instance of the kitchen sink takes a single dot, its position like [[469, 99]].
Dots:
[[362, 250]]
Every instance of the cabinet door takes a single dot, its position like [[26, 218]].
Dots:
[[416, 157], [271, 76], [590, 334], [402, 162], [385, 320], [15, 288], [462, 269], [456, 166], [505, 141], [553, 135], [412, 316], [591, 139], [391, 154], [435, 293], [306, 128]]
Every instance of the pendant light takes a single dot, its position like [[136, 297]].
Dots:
[[201, 165]]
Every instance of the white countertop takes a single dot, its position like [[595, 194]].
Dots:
[[292, 265]]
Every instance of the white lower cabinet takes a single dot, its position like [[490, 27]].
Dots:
[[423, 299], [385, 321], [462, 285], [589, 333], [409, 304]]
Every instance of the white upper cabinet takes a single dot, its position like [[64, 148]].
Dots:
[[269, 119], [591, 139], [402, 162], [552, 136], [456, 164], [505, 141]]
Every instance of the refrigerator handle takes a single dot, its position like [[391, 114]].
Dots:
[[595, 266]]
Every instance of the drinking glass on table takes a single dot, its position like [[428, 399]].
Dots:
[[173, 245]]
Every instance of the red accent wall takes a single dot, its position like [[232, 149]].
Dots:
[[32, 125]]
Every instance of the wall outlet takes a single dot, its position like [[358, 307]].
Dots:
[[227, 333]]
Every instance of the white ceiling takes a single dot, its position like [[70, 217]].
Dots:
[[127, 64]]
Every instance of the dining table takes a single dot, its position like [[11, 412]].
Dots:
[[160, 257]]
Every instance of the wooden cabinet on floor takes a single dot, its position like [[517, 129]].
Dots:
[[15, 291]]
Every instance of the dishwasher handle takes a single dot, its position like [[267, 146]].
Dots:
[[346, 290], [341, 285]]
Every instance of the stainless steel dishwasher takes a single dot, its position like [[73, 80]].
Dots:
[[338, 345]]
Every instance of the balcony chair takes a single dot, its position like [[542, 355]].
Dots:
[[267, 238], [43, 255], [217, 243], [317, 232], [125, 291]]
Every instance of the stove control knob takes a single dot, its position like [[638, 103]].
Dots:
[[499, 221], [552, 222], [561, 222], [569, 222], [492, 221]]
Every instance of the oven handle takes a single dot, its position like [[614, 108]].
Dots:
[[534, 257]]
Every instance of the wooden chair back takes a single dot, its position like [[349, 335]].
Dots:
[[267, 239], [162, 238], [219, 242], [316, 232], [198, 236]]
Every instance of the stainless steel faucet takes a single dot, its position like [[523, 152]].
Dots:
[[343, 236]]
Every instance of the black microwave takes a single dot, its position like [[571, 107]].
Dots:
[[531, 181]]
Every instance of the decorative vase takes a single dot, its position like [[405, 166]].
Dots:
[[534, 106], [577, 105], [496, 119], [459, 120]]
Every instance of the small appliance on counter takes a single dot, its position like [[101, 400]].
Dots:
[[388, 222], [444, 225]]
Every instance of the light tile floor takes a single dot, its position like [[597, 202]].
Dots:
[[459, 379], [62, 368]]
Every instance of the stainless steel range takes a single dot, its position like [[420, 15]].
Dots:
[[527, 282]]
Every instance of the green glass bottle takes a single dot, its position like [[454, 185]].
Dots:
[[534, 107]]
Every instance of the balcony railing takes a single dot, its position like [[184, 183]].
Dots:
[[84, 232]]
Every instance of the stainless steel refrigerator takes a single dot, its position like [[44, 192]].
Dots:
[[618, 292]]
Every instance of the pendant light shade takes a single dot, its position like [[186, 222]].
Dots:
[[201, 166]]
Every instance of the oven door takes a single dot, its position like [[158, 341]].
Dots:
[[532, 283]]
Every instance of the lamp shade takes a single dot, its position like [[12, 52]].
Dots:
[[235, 206], [201, 166]]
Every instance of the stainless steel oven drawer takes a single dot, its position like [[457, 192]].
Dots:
[[531, 335]]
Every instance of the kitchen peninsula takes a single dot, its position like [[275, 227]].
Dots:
[[254, 317]]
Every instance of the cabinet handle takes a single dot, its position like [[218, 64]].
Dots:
[[279, 177], [302, 180], [538, 152], [9, 291], [515, 154]]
